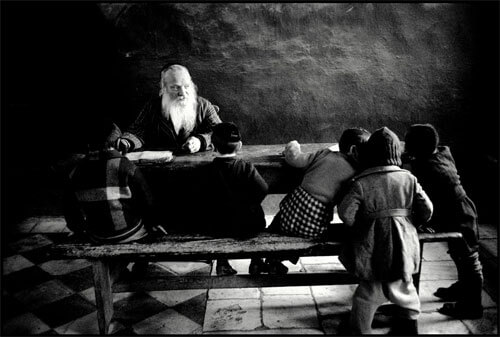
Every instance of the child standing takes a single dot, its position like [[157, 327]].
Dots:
[[308, 210], [237, 190], [435, 169], [382, 207]]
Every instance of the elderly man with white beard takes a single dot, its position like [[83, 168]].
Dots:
[[177, 120]]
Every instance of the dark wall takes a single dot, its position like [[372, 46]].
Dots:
[[280, 71]]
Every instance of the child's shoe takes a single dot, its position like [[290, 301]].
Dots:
[[224, 268], [275, 267], [461, 311], [450, 294], [257, 266], [404, 327]]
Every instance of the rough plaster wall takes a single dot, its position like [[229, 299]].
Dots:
[[281, 71], [307, 71]]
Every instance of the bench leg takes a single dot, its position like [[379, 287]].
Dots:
[[103, 295]]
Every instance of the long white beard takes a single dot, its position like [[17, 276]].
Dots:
[[182, 113]]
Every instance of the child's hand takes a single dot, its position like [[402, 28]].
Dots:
[[425, 229], [292, 148]]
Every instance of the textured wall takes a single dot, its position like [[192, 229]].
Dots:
[[300, 71], [307, 71]]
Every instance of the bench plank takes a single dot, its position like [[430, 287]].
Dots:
[[189, 247]]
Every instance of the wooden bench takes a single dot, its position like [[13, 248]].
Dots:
[[198, 247]]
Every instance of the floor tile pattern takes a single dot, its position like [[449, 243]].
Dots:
[[45, 296]]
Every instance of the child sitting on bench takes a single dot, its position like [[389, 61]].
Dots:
[[308, 210], [107, 198], [236, 191]]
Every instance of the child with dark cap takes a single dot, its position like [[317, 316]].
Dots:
[[382, 207], [434, 166], [237, 190], [308, 210]]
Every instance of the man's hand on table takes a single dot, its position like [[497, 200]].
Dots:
[[192, 145]]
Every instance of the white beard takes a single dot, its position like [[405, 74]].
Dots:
[[182, 113]]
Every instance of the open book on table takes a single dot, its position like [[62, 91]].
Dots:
[[150, 156]]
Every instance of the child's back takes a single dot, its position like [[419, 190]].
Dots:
[[235, 192], [308, 210], [107, 198], [439, 177], [435, 169], [238, 190], [381, 207]]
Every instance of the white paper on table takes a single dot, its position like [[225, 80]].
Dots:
[[157, 156]]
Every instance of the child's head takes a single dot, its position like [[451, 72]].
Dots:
[[421, 140], [102, 135], [226, 138], [351, 140], [382, 149]]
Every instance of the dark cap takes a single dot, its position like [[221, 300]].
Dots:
[[226, 132]]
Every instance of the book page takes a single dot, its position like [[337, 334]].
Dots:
[[156, 156]]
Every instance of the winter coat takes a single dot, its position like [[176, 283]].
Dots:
[[382, 207]]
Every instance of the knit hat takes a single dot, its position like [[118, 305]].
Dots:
[[383, 148], [421, 140]]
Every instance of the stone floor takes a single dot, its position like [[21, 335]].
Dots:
[[44, 296]]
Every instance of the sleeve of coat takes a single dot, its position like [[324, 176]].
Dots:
[[258, 185], [298, 159], [204, 132], [135, 132], [422, 205], [350, 204]]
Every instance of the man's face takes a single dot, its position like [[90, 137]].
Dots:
[[179, 86]]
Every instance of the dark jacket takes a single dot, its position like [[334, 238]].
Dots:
[[235, 191], [153, 131], [453, 209]]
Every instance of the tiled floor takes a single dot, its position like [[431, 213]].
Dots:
[[44, 296]]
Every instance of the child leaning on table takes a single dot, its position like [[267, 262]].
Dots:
[[107, 198], [435, 169], [308, 210], [236, 191], [382, 208]]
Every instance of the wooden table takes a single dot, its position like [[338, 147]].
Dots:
[[175, 184]]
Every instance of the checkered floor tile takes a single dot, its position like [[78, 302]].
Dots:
[[41, 295]]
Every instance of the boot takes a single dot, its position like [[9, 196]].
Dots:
[[257, 266], [450, 294], [404, 327], [275, 267], [459, 310], [223, 268]]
